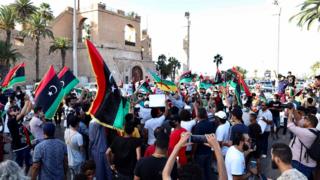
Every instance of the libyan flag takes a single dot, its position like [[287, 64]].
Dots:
[[186, 77], [205, 84], [144, 87], [163, 85], [108, 107], [16, 75], [49, 93], [67, 79]]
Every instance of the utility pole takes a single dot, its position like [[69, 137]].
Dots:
[[75, 40], [276, 3], [187, 15]]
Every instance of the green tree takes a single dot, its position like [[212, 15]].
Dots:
[[24, 9], [46, 12], [37, 29], [163, 67], [309, 13], [242, 71], [175, 65], [62, 44], [218, 60], [8, 55], [7, 21], [315, 67]]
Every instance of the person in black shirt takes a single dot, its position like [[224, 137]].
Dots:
[[202, 153], [291, 79], [124, 153], [255, 135], [19, 144], [275, 108], [20, 95], [151, 167]]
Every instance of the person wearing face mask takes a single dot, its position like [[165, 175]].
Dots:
[[36, 124], [304, 138], [175, 122], [235, 158], [281, 159]]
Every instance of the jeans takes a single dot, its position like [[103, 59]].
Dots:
[[23, 156], [204, 161], [305, 170], [276, 122], [285, 125], [74, 170], [264, 142]]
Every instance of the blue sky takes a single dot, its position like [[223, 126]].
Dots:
[[244, 32]]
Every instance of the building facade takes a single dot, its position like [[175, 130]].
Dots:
[[117, 35]]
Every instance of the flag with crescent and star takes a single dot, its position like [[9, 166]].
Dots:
[[186, 77], [67, 79], [108, 107], [16, 75], [49, 93]]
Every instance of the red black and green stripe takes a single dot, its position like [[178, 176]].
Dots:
[[108, 107], [67, 79], [16, 75], [49, 93], [186, 77]]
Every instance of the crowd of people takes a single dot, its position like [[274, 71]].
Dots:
[[200, 135]]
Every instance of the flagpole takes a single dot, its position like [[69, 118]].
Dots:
[[75, 62]]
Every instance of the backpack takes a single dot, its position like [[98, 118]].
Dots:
[[313, 150]]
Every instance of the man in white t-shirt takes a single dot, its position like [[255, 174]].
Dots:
[[157, 120], [266, 116], [235, 159], [74, 142], [36, 124], [223, 131]]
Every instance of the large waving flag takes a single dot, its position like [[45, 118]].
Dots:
[[67, 79], [186, 77], [145, 88], [243, 84], [16, 75], [49, 94], [163, 85], [108, 107]]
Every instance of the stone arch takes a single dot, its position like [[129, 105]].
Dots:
[[129, 35], [137, 73], [81, 32]]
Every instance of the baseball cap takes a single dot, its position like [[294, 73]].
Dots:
[[221, 115]]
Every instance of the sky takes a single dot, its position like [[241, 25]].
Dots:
[[244, 32]]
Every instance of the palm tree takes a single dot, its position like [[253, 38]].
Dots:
[[174, 65], [62, 44], [218, 60], [309, 13], [24, 9], [46, 12], [315, 67], [7, 21], [36, 29], [7, 54]]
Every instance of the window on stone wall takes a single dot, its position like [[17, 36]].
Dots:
[[129, 35]]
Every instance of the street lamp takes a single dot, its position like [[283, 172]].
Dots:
[[74, 52], [187, 15], [276, 3]]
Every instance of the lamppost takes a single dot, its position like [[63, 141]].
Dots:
[[276, 3], [187, 15], [74, 52]]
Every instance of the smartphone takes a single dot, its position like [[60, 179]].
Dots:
[[199, 139]]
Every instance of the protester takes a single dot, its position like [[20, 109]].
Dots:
[[75, 146], [304, 137], [235, 158], [50, 159], [20, 144], [237, 122], [275, 108], [151, 167], [222, 132], [175, 122], [203, 154], [124, 152], [265, 115], [36, 124], [281, 159]]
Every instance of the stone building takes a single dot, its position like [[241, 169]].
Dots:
[[117, 35]]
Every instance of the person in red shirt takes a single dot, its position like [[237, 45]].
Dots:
[[152, 148], [175, 135]]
